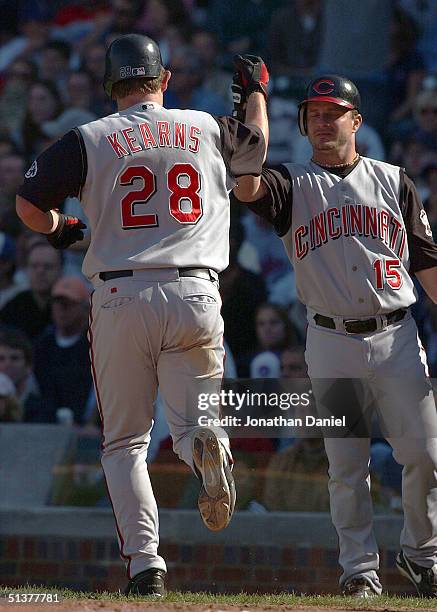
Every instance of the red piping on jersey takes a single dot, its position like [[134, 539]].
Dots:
[[99, 406]]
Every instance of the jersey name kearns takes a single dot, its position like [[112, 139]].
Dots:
[[150, 135], [350, 220]]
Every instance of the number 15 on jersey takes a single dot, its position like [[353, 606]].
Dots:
[[387, 272]]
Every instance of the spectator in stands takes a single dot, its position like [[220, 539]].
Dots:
[[16, 361], [62, 366], [11, 176], [9, 288], [13, 95], [160, 18], [241, 27], [294, 37], [55, 63], [44, 104], [94, 64], [214, 77], [186, 89], [273, 260], [11, 410], [125, 15], [405, 71], [274, 331], [80, 21], [34, 35], [424, 14], [293, 363], [94, 61], [414, 148], [80, 91], [242, 291], [30, 309], [425, 112]]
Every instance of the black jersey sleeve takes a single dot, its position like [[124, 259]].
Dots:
[[421, 246], [59, 172], [242, 147], [276, 205]]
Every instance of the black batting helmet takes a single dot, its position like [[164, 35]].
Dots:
[[129, 57], [329, 88]]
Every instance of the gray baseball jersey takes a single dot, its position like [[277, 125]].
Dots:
[[354, 235], [349, 238], [154, 185], [165, 176]]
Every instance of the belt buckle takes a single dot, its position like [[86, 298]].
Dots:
[[345, 322]]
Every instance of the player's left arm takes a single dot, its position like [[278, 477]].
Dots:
[[59, 172], [422, 248], [249, 91]]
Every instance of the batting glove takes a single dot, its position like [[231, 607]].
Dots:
[[68, 231], [238, 97], [254, 73]]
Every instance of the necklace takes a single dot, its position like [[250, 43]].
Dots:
[[355, 159]]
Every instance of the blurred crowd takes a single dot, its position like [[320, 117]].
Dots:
[[51, 67]]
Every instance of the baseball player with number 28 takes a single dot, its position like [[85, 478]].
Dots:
[[355, 230], [154, 184]]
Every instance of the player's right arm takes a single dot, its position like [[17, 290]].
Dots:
[[59, 172]]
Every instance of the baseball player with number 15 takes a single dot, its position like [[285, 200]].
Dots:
[[355, 231], [154, 184]]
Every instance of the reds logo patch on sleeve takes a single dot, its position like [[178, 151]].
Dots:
[[32, 170], [425, 221]]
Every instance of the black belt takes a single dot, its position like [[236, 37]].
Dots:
[[360, 326], [205, 273]]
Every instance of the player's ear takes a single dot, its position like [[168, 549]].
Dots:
[[165, 80], [358, 120]]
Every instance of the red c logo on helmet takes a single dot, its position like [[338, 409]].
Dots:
[[324, 86]]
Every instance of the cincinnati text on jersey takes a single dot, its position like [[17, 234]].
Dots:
[[350, 220], [143, 136]]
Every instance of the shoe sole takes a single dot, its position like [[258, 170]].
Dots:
[[217, 495]]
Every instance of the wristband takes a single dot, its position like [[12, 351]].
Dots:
[[55, 221]]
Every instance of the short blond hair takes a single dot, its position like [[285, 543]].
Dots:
[[140, 85]]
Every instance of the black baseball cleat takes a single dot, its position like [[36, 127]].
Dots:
[[149, 583], [423, 578], [359, 588], [217, 495]]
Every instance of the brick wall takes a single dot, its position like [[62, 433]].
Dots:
[[94, 565]]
